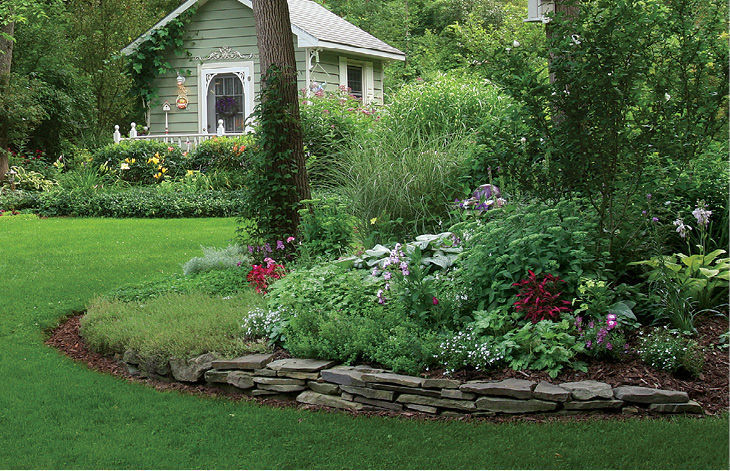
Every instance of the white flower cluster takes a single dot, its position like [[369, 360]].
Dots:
[[261, 322], [465, 349]]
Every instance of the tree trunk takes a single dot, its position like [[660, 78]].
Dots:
[[6, 59], [276, 49], [568, 10]]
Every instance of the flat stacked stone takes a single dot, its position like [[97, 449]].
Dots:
[[216, 376], [422, 408], [550, 392], [378, 394], [240, 379], [379, 404], [642, 395], [191, 370], [300, 365], [440, 383], [586, 390], [392, 378], [343, 375], [247, 362], [311, 397], [516, 388], [457, 394], [593, 404], [324, 388], [514, 406], [690, 407], [436, 402], [406, 390]]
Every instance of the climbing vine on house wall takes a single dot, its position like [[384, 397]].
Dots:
[[149, 60]]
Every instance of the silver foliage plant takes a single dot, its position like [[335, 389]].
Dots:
[[217, 259]]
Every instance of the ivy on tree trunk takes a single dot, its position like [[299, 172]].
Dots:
[[6, 59], [280, 132]]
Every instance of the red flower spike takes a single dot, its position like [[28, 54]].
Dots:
[[538, 300]]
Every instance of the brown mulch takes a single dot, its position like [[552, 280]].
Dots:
[[711, 391]]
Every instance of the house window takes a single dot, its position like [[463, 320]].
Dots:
[[226, 102], [354, 80]]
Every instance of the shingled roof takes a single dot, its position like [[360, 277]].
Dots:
[[315, 27]]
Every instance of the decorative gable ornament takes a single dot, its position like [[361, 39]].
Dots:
[[224, 53]]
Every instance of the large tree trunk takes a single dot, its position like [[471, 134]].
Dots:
[[6, 59], [568, 10], [276, 50]]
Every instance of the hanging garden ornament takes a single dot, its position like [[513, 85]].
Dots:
[[182, 93]]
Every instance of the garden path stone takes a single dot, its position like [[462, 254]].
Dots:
[[216, 376], [268, 380], [369, 393], [303, 365], [550, 392], [642, 395], [240, 379], [593, 404], [436, 402], [193, 369], [589, 389], [441, 383], [314, 398], [690, 407], [247, 362], [393, 378], [381, 404], [323, 388], [512, 387], [514, 406], [344, 375]]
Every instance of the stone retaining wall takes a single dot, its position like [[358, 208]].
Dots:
[[361, 388]]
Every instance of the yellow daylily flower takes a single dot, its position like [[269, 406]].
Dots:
[[373, 221]]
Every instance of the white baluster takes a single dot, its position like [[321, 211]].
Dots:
[[117, 134], [133, 131], [221, 129]]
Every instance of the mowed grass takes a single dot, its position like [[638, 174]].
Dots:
[[55, 413]]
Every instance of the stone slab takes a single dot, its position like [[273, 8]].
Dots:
[[240, 379], [346, 376], [456, 394], [302, 365], [323, 388], [246, 362], [422, 408], [642, 395], [282, 388], [452, 414], [586, 390], [512, 387], [406, 390], [436, 402], [440, 383], [378, 394], [514, 406], [283, 381], [216, 376], [690, 407], [593, 404], [347, 396], [191, 370], [298, 375], [550, 392], [131, 357], [311, 397], [392, 378], [381, 404], [264, 372]]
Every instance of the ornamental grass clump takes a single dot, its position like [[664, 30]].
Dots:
[[539, 298]]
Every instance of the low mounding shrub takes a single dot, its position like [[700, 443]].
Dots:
[[669, 350], [172, 325], [500, 251], [221, 153], [134, 202], [217, 259], [143, 161], [333, 313], [213, 283]]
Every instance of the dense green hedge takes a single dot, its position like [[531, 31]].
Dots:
[[135, 202]]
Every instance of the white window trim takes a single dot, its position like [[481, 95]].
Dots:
[[368, 79], [244, 68]]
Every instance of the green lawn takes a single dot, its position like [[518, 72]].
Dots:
[[55, 413]]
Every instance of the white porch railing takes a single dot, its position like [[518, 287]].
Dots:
[[186, 142]]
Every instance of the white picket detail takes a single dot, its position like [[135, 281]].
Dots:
[[186, 142]]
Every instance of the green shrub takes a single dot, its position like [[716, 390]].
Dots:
[[134, 202], [325, 229], [172, 325], [669, 350], [217, 259], [407, 180], [332, 313], [141, 161], [329, 123], [221, 153], [498, 252], [216, 282]]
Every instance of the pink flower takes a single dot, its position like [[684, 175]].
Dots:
[[290, 239], [269, 262], [279, 245], [435, 301], [611, 317]]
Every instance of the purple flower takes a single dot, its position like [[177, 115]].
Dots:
[[648, 196], [589, 344], [267, 248], [375, 271], [387, 275], [405, 272], [643, 213], [279, 245], [609, 346], [702, 214], [250, 249], [655, 219], [590, 325]]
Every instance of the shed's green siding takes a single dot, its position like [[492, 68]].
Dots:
[[221, 23]]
